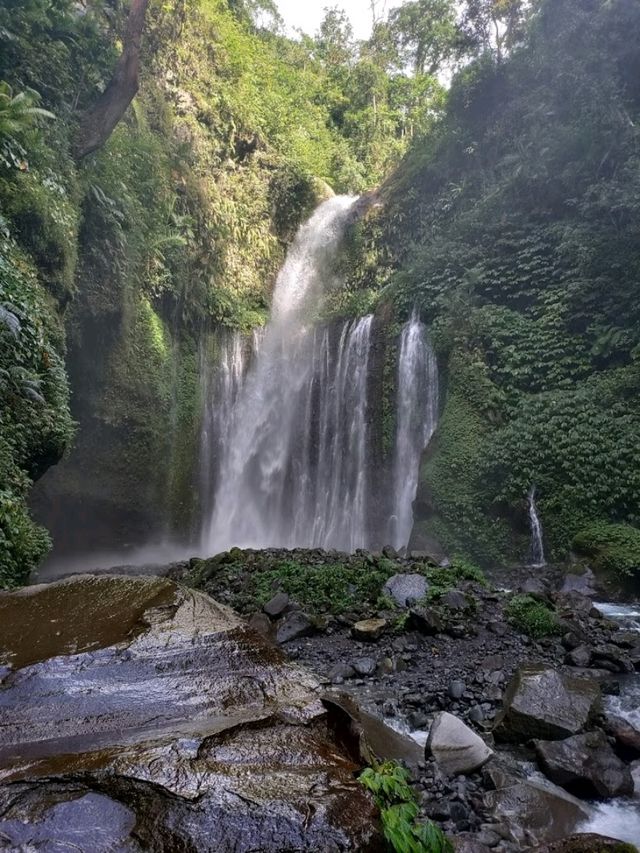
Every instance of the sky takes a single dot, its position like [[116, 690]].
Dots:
[[307, 14]]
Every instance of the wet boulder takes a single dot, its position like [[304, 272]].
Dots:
[[153, 713], [543, 703], [456, 748], [585, 765], [405, 589], [534, 812], [589, 843]]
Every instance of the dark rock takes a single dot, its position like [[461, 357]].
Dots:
[[580, 656], [293, 626], [365, 666], [417, 720], [390, 553], [624, 733], [456, 689], [370, 629], [585, 765], [427, 620], [143, 716], [588, 843], [542, 703], [609, 656], [456, 748], [534, 813], [574, 603], [467, 843], [584, 584], [340, 672], [277, 605], [476, 714], [262, 624], [431, 559], [405, 588], [536, 587], [455, 600], [500, 629]]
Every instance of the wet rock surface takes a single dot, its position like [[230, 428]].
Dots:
[[586, 765], [163, 722], [541, 702]]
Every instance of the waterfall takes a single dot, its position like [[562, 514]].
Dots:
[[537, 546], [221, 379], [291, 464], [293, 471], [416, 421]]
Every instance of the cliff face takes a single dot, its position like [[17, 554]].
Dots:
[[513, 228], [117, 266]]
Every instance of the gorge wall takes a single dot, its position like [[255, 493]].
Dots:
[[513, 227]]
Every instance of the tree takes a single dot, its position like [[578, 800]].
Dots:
[[494, 25], [334, 41], [425, 34], [100, 120]]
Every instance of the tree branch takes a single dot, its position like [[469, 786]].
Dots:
[[100, 120]]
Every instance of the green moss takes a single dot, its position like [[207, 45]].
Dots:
[[532, 617], [611, 548]]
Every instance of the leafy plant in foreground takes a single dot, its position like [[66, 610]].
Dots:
[[389, 784], [532, 617]]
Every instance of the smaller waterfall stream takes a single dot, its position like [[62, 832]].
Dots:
[[537, 543], [417, 418]]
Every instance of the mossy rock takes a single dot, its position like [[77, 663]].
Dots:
[[613, 549]]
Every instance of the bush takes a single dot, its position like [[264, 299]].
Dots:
[[611, 548], [389, 784], [532, 617], [333, 588]]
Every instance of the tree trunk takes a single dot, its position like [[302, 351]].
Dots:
[[100, 120]]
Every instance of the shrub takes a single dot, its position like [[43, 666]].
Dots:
[[611, 547], [389, 784], [532, 617]]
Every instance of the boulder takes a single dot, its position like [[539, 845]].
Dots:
[[625, 734], [277, 605], [588, 843], [139, 715], [365, 666], [585, 765], [580, 656], [427, 620], [455, 600], [294, 626], [404, 589], [456, 748], [535, 813], [369, 629], [542, 703], [585, 584]]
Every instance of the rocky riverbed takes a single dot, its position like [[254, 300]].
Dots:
[[139, 714]]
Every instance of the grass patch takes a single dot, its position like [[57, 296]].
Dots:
[[532, 617]]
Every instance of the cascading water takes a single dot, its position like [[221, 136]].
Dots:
[[293, 439], [417, 418], [537, 544], [221, 380]]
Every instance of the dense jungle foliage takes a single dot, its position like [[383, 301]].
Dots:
[[177, 225], [513, 224]]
